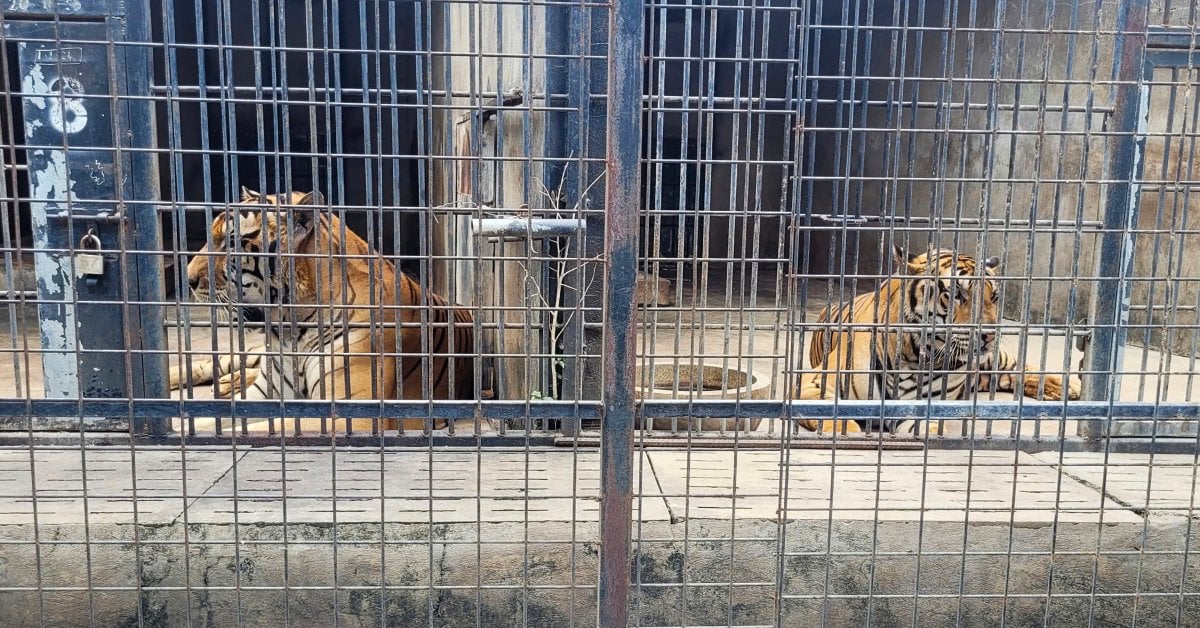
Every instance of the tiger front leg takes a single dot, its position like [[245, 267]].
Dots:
[[1052, 387], [1033, 384], [240, 372], [200, 372], [225, 370], [821, 386], [232, 383]]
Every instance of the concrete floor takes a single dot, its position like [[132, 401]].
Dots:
[[749, 334], [256, 485]]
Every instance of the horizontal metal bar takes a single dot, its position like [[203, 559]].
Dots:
[[1024, 410], [587, 410], [544, 439], [888, 442], [646, 537], [695, 103], [948, 221], [1051, 331], [300, 408], [728, 441], [1051, 443], [516, 226], [1162, 308], [312, 587], [1172, 37], [411, 439]]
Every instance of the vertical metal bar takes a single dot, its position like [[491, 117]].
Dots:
[[586, 134], [1110, 301], [623, 185], [143, 233]]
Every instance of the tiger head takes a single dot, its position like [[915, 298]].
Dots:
[[955, 301], [237, 236]]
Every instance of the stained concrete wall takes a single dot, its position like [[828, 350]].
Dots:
[[963, 151], [833, 558], [990, 140], [459, 537]]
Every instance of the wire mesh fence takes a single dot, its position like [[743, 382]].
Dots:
[[703, 312]]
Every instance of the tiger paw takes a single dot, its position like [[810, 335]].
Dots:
[[235, 382], [1048, 388], [830, 425], [1053, 387], [916, 427]]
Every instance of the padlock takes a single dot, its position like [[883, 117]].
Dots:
[[89, 262], [89, 265]]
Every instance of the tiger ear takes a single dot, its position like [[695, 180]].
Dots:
[[312, 198], [904, 261], [305, 221], [250, 196], [992, 263]]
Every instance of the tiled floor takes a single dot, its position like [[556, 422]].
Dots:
[[157, 485]]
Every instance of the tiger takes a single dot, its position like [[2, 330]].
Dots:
[[321, 310], [232, 370], [927, 332]]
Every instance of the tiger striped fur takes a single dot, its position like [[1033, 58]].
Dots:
[[322, 296], [232, 370], [928, 332]]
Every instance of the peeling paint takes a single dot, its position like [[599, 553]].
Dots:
[[45, 6], [58, 333], [49, 182], [52, 181], [35, 83]]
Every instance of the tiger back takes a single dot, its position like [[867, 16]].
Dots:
[[928, 332]]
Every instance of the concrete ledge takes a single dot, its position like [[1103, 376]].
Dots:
[[502, 537]]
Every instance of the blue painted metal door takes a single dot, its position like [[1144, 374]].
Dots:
[[92, 191]]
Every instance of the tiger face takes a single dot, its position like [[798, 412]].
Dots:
[[214, 262], [955, 301]]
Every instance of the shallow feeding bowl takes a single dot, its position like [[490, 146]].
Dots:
[[700, 382]]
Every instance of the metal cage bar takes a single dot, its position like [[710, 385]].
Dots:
[[546, 312]]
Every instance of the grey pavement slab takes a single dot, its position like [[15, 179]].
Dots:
[[894, 485], [104, 485], [1162, 483], [546, 484]]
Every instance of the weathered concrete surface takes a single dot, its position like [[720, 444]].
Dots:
[[508, 536]]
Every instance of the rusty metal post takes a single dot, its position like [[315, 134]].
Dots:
[[1111, 300], [622, 186]]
